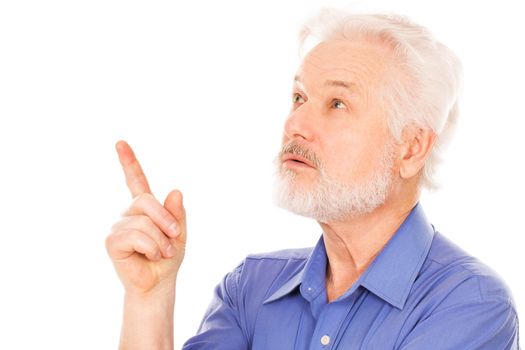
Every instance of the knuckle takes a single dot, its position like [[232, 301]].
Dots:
[[141, 200], [146, 197], [166, 217], [137, 206], [125, 235], [109, 241], [125, 224], [145, 204], [117, 225], [135, 235], [145, 221]]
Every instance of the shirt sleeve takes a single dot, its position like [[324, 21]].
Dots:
[[221, 327], [476, 325]]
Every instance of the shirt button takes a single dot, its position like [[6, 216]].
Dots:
[[325, 340]]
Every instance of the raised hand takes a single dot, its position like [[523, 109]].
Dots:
[[147, 244]]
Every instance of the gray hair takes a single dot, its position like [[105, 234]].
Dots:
[[430, 101]]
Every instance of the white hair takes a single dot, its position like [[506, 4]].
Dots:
[[429, 100]]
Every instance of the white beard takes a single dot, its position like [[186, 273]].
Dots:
[[330, 199]]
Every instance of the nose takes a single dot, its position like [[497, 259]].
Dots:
[[299, 124]]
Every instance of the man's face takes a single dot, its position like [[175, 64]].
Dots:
[[338, 153]]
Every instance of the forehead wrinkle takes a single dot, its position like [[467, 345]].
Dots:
[[364, 64]]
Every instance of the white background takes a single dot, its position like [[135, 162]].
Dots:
[[201, 91]]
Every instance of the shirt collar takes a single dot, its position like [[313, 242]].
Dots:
[[392, 273], [313, 269]]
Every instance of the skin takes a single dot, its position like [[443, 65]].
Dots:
[[346, 129]]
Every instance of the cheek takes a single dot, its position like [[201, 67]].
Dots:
[[354, 158], [347, 160]]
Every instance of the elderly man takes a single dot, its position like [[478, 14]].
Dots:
[[374, 102]]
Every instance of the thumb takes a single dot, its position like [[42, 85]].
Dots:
[[173, 203]]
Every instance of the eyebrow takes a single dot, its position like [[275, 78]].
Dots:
[[336, 83]]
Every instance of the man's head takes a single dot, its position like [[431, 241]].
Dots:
[[373, 104]]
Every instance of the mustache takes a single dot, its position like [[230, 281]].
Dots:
[[296, 148]]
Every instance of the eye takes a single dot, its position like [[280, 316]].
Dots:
[[338, 104], [297, 98]]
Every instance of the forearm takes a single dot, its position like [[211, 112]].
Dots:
[[148, 320]]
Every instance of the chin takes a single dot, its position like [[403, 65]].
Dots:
[[326, 199]]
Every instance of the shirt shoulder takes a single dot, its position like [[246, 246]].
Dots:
[[458, 302], [463, 278], [268, 271], [259, 275], [257, 278]]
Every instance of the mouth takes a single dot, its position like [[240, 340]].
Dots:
[[290, 159]]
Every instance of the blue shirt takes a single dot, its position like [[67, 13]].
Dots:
[[421, 292]]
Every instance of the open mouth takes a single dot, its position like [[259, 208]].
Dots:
[[295, 160]]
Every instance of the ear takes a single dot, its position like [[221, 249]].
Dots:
[[418, 143]]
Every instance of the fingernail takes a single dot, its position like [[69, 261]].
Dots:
[[173, 230]]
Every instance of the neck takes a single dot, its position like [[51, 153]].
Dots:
[[352, 244]]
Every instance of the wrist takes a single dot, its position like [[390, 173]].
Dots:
[[148, 318], [162, 291]]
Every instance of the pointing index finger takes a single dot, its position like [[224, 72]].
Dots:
[[135, 178]]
